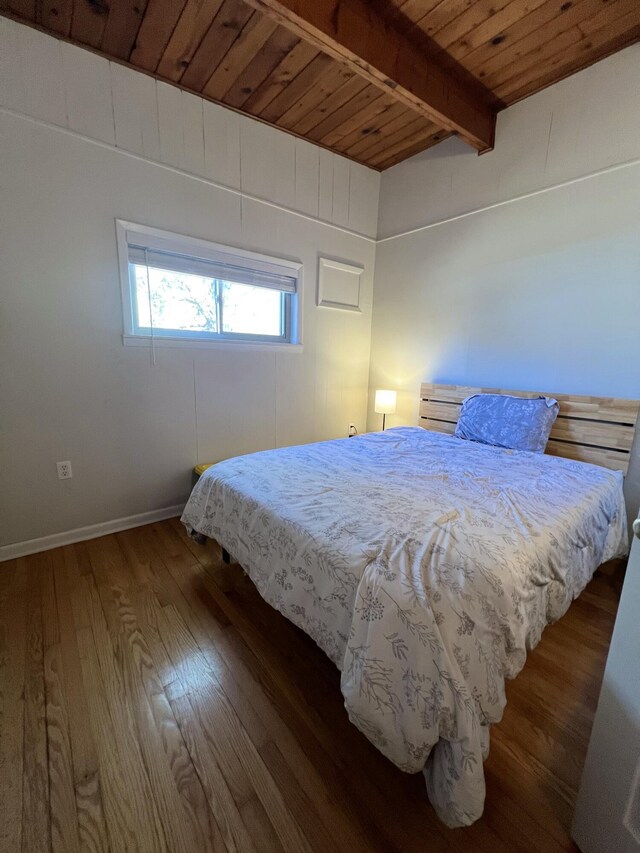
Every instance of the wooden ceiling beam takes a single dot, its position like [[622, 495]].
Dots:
[[354, 33]]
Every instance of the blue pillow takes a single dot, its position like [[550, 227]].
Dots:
[[503, 421]]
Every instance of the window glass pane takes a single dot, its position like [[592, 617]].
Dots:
[[251, 310], [185, 290], [180, 301]]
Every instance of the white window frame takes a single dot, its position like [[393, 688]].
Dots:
[[156, 238]]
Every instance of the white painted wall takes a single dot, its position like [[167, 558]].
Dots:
[[584, 123], [540, 293], [83, 141]]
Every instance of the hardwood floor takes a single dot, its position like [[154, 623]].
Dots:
[[151, 701]]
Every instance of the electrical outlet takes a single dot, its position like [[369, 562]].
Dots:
[[64, 470], [353, 430]]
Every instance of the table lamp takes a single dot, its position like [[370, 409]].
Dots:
[[385, 404]]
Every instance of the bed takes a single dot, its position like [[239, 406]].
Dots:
[[426, 566]]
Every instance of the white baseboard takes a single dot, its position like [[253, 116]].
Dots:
[[45, 543]]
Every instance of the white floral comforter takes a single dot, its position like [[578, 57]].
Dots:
[[425, 567]]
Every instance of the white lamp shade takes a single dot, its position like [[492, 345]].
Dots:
[[385, 403]]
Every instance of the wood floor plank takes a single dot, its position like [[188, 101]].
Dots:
[[12, 671], [207, 624], [527, 832], [35, 788], [196, 676], [62, 795], [133, 821], [181, 826], [182, 566], [92, 830], [50, 618], [259, 825], [185, 818], [301, 806], [228, 727], [118, 809], [312, 767], [550, 809], [150, 700], [148, 567], [91, 820], [147, 607], [214, 783], [92, 825], [187, 778]]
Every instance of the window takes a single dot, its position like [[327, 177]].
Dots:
[[181, 289]]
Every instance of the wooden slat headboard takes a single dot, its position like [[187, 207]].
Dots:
[[590, 429]]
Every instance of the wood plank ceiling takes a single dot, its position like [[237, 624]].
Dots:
[[377, 81]]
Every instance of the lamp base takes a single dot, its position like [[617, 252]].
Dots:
[[384, 418]]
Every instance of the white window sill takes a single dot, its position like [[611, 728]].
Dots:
[[180, 343]]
